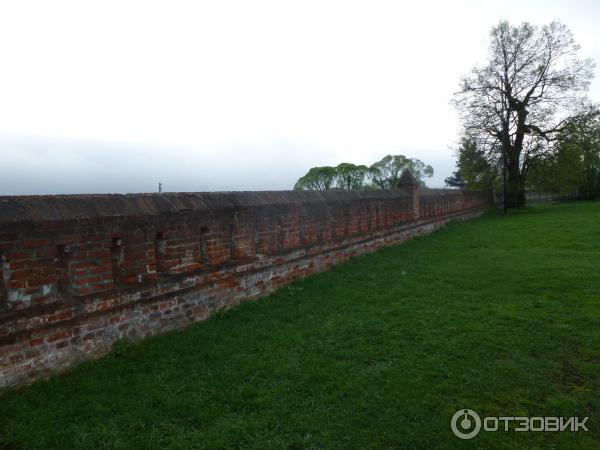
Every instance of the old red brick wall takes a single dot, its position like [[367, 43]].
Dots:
[[79, 272]]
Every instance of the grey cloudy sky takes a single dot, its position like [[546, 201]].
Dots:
[[115, 96]]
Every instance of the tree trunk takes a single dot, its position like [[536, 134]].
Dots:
[[515, 191]]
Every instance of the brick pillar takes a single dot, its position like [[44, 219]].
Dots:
[[410, 184]]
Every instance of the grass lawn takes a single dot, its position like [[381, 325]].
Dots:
[[498, 314]]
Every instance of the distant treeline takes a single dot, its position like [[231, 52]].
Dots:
[[384, 174]]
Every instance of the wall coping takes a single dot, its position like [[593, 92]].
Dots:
[[38, 208]]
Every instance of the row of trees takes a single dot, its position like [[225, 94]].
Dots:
[[527, 121], [572, 166], [384, 174]]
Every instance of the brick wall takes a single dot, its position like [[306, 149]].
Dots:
[[79, 272]]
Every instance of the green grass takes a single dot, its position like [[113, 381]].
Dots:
[[498, 314]]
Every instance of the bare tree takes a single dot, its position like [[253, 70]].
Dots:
[[532, 87]]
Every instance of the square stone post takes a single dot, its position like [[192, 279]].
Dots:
[[409, 183]]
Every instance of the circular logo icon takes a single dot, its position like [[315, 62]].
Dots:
[[465, 424]]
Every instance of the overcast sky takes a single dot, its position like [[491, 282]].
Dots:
[[115, 96]]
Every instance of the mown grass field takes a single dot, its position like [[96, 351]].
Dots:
[[498, 314]]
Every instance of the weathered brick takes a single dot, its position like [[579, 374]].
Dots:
[[65, 334], [134, 266]]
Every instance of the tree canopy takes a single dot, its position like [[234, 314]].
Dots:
[[386, 173], [317, 178], [473, 170], [350, 176], [575, 166]]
